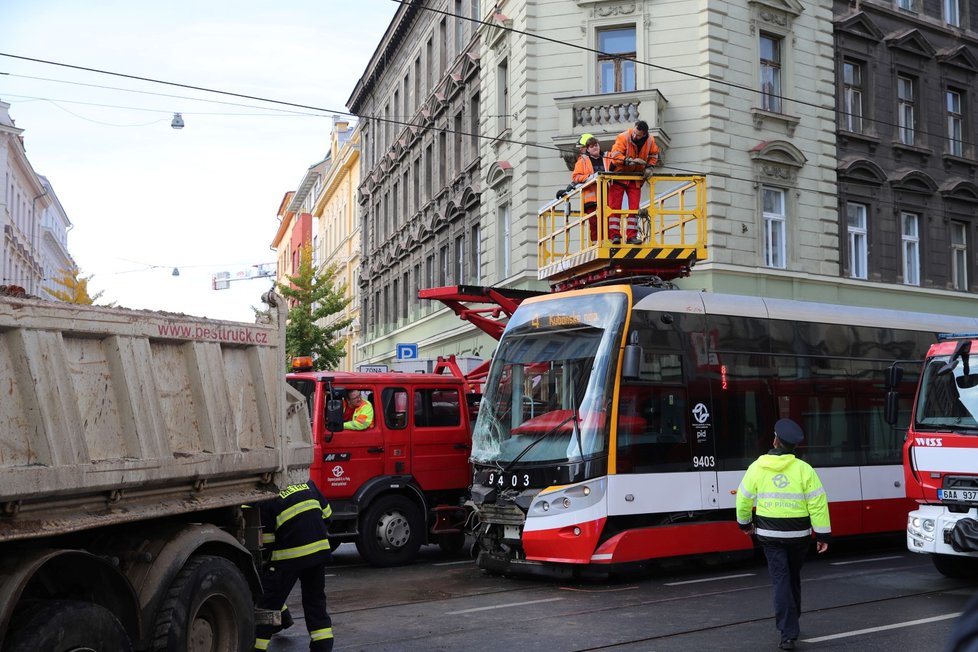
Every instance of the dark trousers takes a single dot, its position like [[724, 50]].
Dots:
[[277, 582], [784, 562]]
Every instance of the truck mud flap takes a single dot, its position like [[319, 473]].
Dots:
[[964, 535]]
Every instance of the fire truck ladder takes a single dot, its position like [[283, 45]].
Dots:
[[487, 308], [671, 227]]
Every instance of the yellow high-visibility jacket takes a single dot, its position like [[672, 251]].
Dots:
[[790, 500]]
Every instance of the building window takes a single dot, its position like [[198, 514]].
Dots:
[[908, 5], [474, 126], [444, 270], [955, 124], [505, 237], [417, 83], [770, 73], [906, 120], [460, 259], [952, 12], [911, 248], [442, 157], [457, 140], [775, 253], [858, 244], [852, 96], [459, 28], [502, 95], [616, 60], [475, 255], [959, 256]]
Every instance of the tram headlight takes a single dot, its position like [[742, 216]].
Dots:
[[544, 505], [565, 503], [586, 489]]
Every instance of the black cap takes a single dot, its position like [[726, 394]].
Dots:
[[788, 431]]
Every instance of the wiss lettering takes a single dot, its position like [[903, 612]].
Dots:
[[928, 441]]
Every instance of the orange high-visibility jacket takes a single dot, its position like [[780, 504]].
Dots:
[[583, 169], [625, 148]]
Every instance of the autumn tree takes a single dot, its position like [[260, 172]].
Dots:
[[75, 287], [313, 297]]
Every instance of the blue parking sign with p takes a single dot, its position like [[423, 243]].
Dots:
[[406, 351]]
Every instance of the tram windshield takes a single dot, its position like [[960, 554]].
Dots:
[[948, 399], [548, 394]]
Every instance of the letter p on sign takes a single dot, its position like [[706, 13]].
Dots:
[[406, 351]]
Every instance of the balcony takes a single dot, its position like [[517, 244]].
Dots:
[[607, 115]]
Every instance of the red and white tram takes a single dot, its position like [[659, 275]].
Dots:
[[617, 422]]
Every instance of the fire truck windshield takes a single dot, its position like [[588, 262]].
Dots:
[[949, 399], [549, 391]]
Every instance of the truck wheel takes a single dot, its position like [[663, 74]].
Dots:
[[391, 532], [208, 608], [67, 626], [956, 567]]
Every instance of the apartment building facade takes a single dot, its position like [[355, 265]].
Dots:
[[906, 73], [22, 202], [419, 107], [55, 259], [337, 222]]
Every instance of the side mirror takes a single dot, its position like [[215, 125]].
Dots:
[[631, 364], [334, 415], [892, 407], [894, 376]]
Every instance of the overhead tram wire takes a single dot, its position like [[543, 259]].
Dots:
[[422, 125]]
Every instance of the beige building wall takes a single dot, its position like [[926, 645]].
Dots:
[[338, 229]]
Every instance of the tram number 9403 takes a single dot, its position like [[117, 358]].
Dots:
[[704, 461], [508, 481]]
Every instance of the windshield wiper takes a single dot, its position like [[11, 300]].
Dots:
[[572, 417]]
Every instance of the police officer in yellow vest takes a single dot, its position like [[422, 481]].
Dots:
[[791, 504], [294, 526]]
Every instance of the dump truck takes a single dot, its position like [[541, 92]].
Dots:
[[130, 443]]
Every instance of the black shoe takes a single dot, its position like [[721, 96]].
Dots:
[[634, 240], [615, 239], [787, 644]]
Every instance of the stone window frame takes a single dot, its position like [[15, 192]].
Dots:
[[775, 18]]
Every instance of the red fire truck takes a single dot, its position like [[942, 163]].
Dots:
[[940, 455]]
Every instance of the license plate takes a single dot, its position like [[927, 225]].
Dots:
[[958, 495]]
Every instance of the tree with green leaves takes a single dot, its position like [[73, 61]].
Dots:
[[75, 287], [313, 297]]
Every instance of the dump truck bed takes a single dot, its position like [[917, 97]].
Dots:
[[110, 415]]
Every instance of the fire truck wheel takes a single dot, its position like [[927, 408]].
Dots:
[[66, 625], [391, 531], [207, 607], [956, 567]]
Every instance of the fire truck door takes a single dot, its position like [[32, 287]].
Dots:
[[351, 457], [440, 438]]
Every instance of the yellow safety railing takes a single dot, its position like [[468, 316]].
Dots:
[[670, 223]]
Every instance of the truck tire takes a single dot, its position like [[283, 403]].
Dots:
[[391, 531], [208, 608], [66, 626], [956, 567]]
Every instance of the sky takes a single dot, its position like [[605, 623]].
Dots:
[[144, 198]]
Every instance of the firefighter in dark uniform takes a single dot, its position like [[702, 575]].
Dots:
[[294, 528], [791, 504]]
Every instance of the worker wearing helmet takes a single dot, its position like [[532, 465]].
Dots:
[[791, 504], [590, 161]]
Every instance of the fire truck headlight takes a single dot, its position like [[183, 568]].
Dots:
[[928, 524], [913, 524]]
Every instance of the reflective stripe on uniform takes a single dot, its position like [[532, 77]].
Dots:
[[327, 511], [296, 509], [746, 494], [320, 634], [300, 551], [261, 643], [783, 534], [268, 537]]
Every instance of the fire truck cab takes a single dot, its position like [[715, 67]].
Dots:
[[402, 481]]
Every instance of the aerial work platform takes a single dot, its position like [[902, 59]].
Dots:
[[671, 224]]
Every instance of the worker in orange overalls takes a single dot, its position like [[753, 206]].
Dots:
[[634, 152], [590, 161]]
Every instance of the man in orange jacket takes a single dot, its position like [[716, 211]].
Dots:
[[634, 152]]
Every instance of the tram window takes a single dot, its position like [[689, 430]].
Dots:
[[652, 429], [880, 442], [736, 333]]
